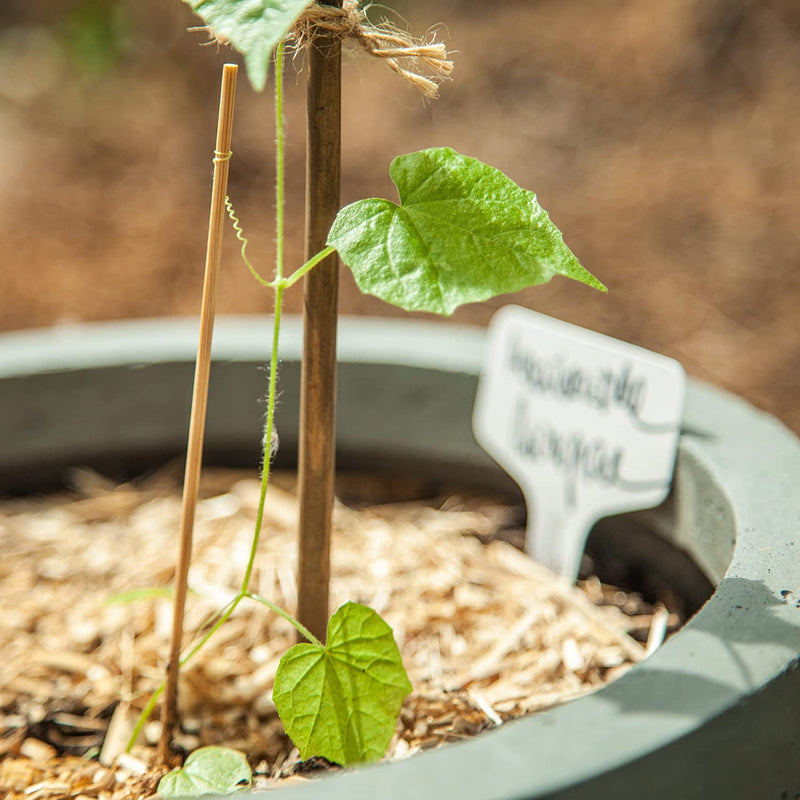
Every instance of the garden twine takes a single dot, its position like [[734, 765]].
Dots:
[[421, 61]]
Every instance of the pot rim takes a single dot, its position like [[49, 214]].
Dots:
[[735, 492]]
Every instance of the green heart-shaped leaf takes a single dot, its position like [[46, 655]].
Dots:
[[208, 770], [341, 700], [463, 232], [253, 27]]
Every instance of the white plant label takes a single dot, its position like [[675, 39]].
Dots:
[[587, 425]]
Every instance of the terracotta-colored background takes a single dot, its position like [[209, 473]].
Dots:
[[663, 138]]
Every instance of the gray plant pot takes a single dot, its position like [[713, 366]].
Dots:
[[712, 714]]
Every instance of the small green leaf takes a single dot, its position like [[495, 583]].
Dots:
[[341, 700], [463, 232], [253, 27], [209, 770]]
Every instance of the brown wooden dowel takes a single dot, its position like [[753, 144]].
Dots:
[[318, 392]]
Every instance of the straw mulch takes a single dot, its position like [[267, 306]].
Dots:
[[486, 634]]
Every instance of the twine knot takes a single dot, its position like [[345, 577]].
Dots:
[[421, 61]]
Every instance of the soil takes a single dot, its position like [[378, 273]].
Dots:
[[486, 634], [665, 143]]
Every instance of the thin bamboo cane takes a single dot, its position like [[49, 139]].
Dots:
[[194, 450]]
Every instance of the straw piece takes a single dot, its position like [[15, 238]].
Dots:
[[658, 630]]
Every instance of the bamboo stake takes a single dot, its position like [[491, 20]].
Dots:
[[318, 392], [194, 450]]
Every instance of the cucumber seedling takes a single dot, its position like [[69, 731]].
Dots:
[[459, 232]]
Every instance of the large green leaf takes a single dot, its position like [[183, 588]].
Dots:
[[341, 700], [209, 770], [253, 27], [463, 232]]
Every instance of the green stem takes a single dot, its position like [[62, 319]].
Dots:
[[243, 239], [308, 266], [269, 424], [144, 716], [298, 626], [280, 164], [223, 616], [269, 428]]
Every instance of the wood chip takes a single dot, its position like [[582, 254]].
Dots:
[[119, 731], [36, 750], [658, 630]]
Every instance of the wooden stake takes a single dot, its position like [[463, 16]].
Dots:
[[194, 451], [318, 391]]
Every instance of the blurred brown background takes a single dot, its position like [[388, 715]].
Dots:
[[663, 138]]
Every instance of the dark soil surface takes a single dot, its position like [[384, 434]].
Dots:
[[664, 139]]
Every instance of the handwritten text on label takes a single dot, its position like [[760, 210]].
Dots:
[[587, 425]]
